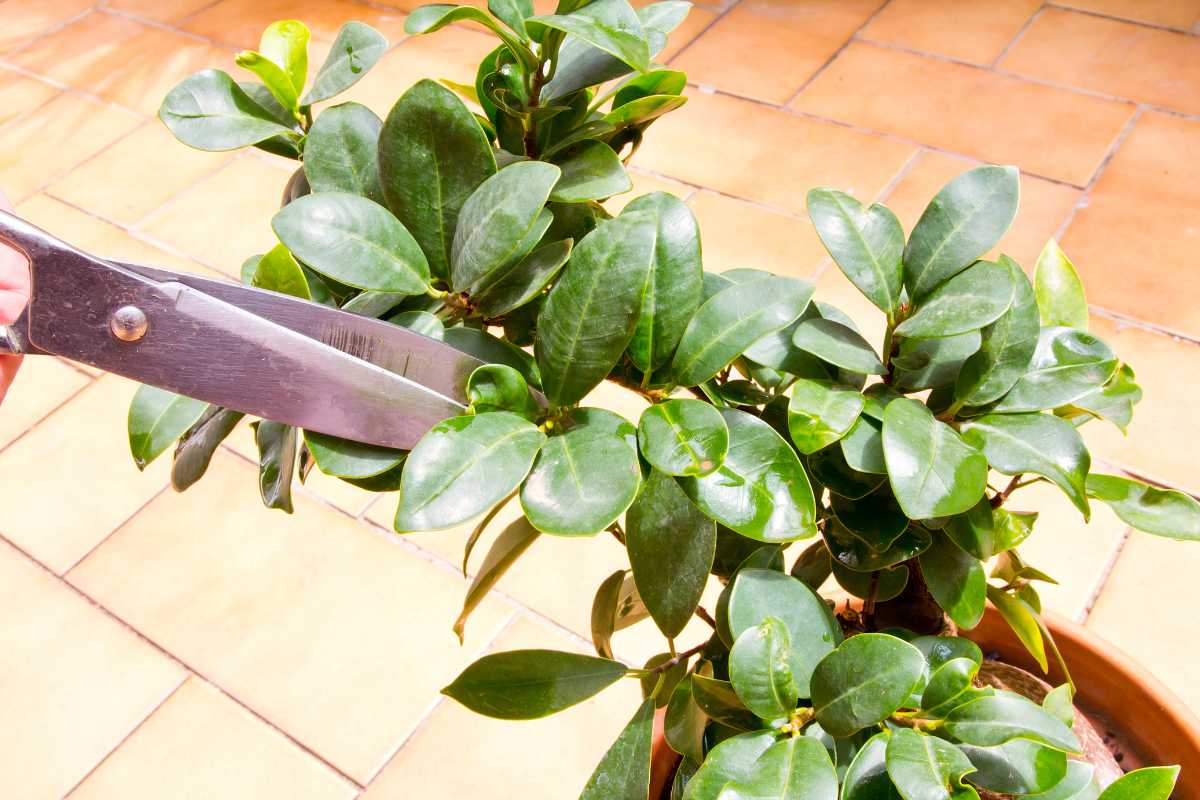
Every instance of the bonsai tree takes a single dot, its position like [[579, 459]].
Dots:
[[473, 215]]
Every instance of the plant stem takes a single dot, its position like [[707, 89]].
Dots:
[[999, 498], [703, 614], [684, 656], [868, 612]]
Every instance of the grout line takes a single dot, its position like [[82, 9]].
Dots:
[[164, 26], [720, 15], [1085, 197], [37, 422], [1020, 33], [1140, 23], [854, 36], [48, 32], [116, 528], [1105, 574]]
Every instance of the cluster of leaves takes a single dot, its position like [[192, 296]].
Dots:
[[770, 419]]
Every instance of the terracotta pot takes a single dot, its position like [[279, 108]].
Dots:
[[1112, 688]]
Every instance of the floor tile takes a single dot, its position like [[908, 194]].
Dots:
[[740, 234], [1147, 610], [1134, 241], [697, 21], [24, 20], [644, 183], [975, 32], [1061, 135], [200, 744], [21, 95], [337, 492], [780, 44], [158, 10], [73, 682], [78, 482], [240, 23], [1172, 13], [225, 218], [335, 634], [120, 59], [38, 148], [1117, 58], [770, 156], [500, 760], [45, 383], [1045, 205], [1165, 424]]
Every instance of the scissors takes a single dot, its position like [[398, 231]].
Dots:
[[266, 354]]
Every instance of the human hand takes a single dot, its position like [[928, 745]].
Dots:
[[14, 294]]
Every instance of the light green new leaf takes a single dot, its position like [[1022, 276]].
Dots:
[[464, 466], [1060, 297], [285, 43], [581, 482], [209, 111], [933, 472], [956, 580], [734, 759], [683, 437], [1006, 346], [510, 545], [648, 84], [354, 241], [347, 459], [624, 772], [1023, 620], [864, 681], [1043, 444], [1005, 716], [797, 768], [840, 345], [341, 152], [530, 684], [866, 778], [355, 50], [963, 221], [276, 463], [1148, 783], [865, 243], [279, 272], [644, 110], [590, 171], [820, 413], [609, 25], [760, 671], [590, 314], [273, 76], [156, 419], [1164, 512], [973, 298], [927, 768], [1066, 365]]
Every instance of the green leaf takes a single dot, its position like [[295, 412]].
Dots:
[[156, 419], [865, 243], [1006, 348], [876, 519], [1059, 702], [732, 320], [590, 314], [1017, 767], [862, 447], [590, 171], [510, 545], [353, 240], [866, 778], [760, 490], [347, 459], [1060, 297], [940, 650], [949, 686], [760, 672], [647, 84], [853, 553], [530, 684], [1023, 621], [974, 530], [734, 759], [933, 363], [524, 281], [926, 768], [684, 723], [675, 282], [493, 350], [422, 322], [1114, 401], [434, 17], [499, 387], [276, 463], [761, 593], [1079, 784], [964, 220], [863, 681], [341, 152], [609, 25], [285, 43], [839, 345], [1004, 716], [641, 112], [975, 297], [820, 413], [273, 76], [209, 111], [933, 472], [797, 768], [671, 548], [616, 606], [956, 580], [196, 447], [831, 469], [1043, 444], [279, 272], [432, 156], [1066, 365], [718, 700], [1148, 783], [512, 13], [1164, 512], [464, 466], [624, 772], [355, 50], [581, 483], [683, 437]]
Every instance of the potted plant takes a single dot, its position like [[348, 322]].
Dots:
[[769, 421]]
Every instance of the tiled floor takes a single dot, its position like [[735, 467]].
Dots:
[[163, 645]]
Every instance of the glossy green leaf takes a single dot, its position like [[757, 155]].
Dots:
[[590, 314], [962, 222], [1164, 512], [209, 111], [683, 437], [933, 472], [434, 17], [865, 243], [760, 671], [797, 768], [813, 566], [196, 447], [355, 50], [831, 469], [530, 684], [279, 272], [464, 466], [1148, 783], [510, 545], [285, 43], [1017, 767], [1002, 717], [1023, 621], [974, 530], [1079, 784], [673, 291], [1067, 364], [1059, 701], [590, 171], [341, 152], [862, 447], [866, 778], [643, 111], [524, 281], [732, 320], [347, 459], [609, 25], [820, 413], [647, 84], [876, 519], [273, 76], [491, 349], [838, 344], [276, 463], [671, 546], [354, 241], [512, 13], [956, 580], [1114, 401], [972, 299], [933, 363], [422, 322], [616, 606], [624, 772], [864, 681], [1043, 444], [948, 686], [734, 759], [853, 553], [499, 387], [156, 419], [1060, 296], [761, 593], [1006, 348], [684, 723], [760, 490], [718, 700], [927, 768]]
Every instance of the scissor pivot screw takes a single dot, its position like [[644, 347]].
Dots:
[[128, 323]]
